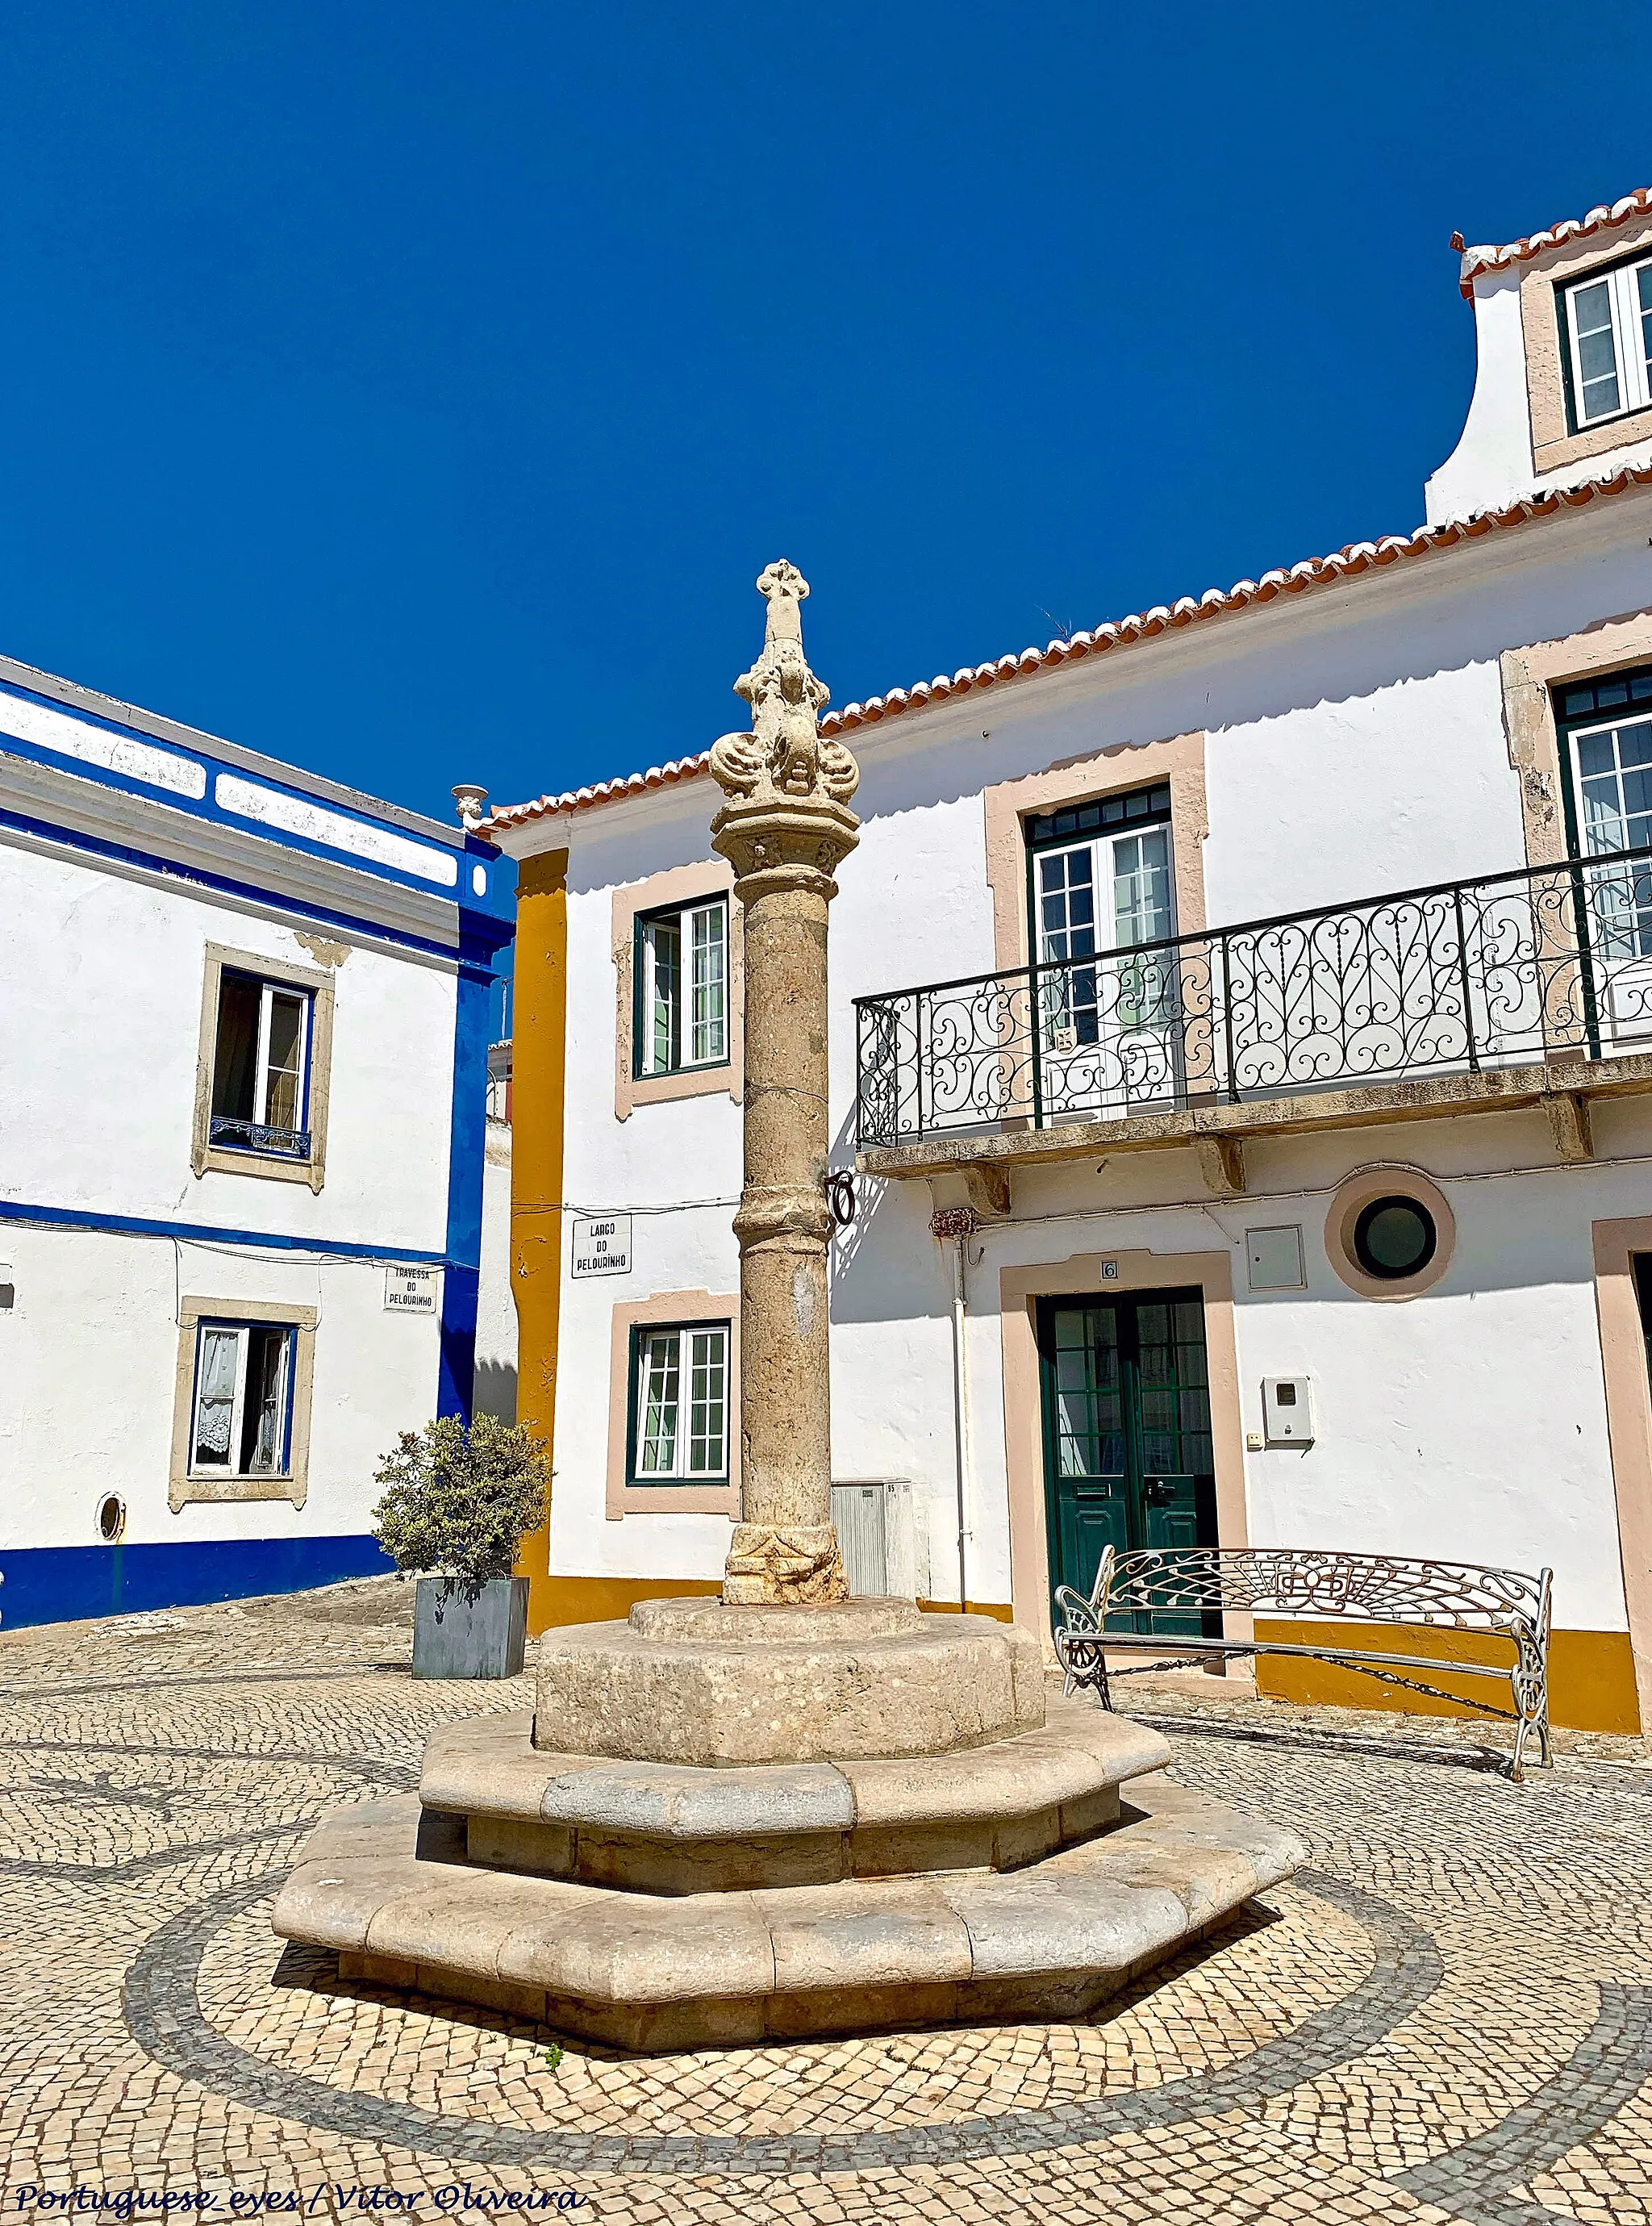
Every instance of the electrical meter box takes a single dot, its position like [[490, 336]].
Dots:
[[1288, 1410]]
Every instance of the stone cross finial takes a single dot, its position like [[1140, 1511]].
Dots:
[[784, 756]]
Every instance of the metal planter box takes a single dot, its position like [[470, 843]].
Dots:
[[453, 1637]]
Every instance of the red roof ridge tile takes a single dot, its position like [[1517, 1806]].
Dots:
[[1600, 218], [1311, 572]]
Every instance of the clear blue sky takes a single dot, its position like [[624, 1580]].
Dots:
[[416, 390]]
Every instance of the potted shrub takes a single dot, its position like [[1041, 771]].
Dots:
[[458, 1502]]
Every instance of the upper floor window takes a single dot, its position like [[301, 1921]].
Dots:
[[1607, 326], [1101, 877], [682, 989], [679, 1403], [261, 1067]]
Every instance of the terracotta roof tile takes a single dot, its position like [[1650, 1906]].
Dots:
[[1476, 259], [1313, 572]]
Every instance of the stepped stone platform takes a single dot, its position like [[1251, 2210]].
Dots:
[[680, 1891]]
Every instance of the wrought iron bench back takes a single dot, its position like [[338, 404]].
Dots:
[[1382, 1587]]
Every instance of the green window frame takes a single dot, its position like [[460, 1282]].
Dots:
[[680, 1022], [678, 1391]]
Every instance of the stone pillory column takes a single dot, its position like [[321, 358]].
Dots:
[[786, 829]]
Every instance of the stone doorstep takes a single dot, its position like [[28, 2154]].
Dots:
[[620, 1690], [645, 1972], [670, 1828]]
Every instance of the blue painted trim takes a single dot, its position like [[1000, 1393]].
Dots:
[[467, 1155], [127, 1224], [61, 1584], [459, 891], [155, 861]]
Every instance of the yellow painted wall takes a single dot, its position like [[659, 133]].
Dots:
[[539, 1067], [1592, 1673]]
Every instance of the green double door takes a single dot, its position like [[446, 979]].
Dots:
[[1127, 1458]]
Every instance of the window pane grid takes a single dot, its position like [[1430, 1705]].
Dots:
[[681, 1018], [673, 1367], [708, 944], [1608, 321], [657, 1451]]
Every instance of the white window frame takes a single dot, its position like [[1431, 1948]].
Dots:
[[1101, 846], [268, 992], [242, 1334], [1630, 341], [196, 1481], [686, 920], [647, 1335]]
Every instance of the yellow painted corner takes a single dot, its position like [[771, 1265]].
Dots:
[[554, 1600], [1592, 1673]]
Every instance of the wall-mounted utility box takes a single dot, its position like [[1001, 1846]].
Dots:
[[881, 1531], [1273, 1259], [1288, 1410]]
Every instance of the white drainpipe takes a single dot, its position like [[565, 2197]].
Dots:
[[956, 1225]]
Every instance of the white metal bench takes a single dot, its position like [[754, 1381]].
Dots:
[[1207, 1582]]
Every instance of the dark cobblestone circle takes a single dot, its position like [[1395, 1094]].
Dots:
[[163, 2015]]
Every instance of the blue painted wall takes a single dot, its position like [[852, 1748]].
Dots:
[[62, 1584]]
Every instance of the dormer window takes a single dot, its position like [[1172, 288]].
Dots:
[[1606, 324]]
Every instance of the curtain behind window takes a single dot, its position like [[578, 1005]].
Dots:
[[235, 1061]]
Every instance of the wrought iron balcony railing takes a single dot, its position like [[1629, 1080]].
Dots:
[[1541, 962]]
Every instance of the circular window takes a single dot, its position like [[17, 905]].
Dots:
[[1390, 1232], [111, 1518], [1394, 1238]]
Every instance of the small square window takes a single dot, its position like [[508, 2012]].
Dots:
[[679, 1403], [241, 1413], [260, 1100], [682, 989]]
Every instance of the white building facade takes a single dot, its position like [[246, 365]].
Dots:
[[1208, 1190], [242, 1110]]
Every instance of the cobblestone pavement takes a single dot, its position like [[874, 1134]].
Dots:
[[1450, 2018]]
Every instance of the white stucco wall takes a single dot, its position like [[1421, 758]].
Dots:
[[496, 1313], [1492, 462], [101, 1006], [1355, 745], [104, 985], [88, 1358]]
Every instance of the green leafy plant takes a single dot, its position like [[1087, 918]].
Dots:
[[459, 1501], [553, 2055]]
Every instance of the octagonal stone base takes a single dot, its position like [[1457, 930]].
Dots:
[[667, 1828], [700, 1683], [636, 1971]]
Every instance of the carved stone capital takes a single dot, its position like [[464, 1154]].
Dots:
[[784, 1567], [775, 843]]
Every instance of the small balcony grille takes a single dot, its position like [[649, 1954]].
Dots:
[[252, 1137]]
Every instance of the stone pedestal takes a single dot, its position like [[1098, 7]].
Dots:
[[700, 1683], [1026, 1868], [785, 1812]]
